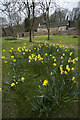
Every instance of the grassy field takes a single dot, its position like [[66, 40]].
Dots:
[[63, 39], [10, 108]]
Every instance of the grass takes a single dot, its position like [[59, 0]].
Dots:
[[10, 109], [63, 39]]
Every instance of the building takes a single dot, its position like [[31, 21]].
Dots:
[[58, 26]]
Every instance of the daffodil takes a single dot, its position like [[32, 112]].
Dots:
[[5, 61], [16, 82], [71, 53], [51, 73], [73, 78], [61, 57], [14, 60], [3, 57], [54, 64], [36, 58], [63, 54], [12, 48], [23, 53], [57, 50], [45, 82], [65, 72], [65, 50], [61, 69], [53, 57], [10, 51], [45, 54], [67, 67], [76, 58], [0, 89], [14, 76], [30, 57], [29, 50], [12, 84], [3, 50], [24, 47], [72, 68], [22, 79], [50, 54], [29, 60], [54, 60], [34, 48], [53, 44], [12, 57], [26, 50]]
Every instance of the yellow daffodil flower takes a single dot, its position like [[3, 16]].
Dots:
[[22, 79], [16, 83], [53, 57], [12, 84], [3, 57], [65, 72], [63, 54], [61, 57], [51, 73], [14, 60], [45, 82], [12, 57], [71, 53], [23, 53], [5, 61], [73, 78], [10, 51], [46, 54], [72, 68], [54, 60], [54, 64], [0, 89], [3, 50]]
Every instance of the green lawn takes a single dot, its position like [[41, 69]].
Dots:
[[10, 108], [63, 39]]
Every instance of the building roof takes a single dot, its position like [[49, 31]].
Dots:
[[56, 24], [59, 24]]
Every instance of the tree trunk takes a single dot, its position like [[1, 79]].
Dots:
[[4, 32], [48, 34], [30, 35]]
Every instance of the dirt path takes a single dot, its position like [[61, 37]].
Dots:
[[66, 45]]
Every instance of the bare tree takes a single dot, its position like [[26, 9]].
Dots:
[[28, 8], [45, 8], [9, 9]]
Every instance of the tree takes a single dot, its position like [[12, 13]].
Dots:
[[45, 8], [10, 11], [4, 25], [28, 8]]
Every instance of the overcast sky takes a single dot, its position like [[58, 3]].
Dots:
[[70, 4]]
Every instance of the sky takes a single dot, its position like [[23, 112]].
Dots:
[[70, 4]]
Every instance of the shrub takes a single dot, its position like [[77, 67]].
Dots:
[[11, 38]]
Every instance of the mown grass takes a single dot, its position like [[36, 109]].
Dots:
[[63, 39], [10, 108]]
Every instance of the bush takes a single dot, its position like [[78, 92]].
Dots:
[[11, 38]]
